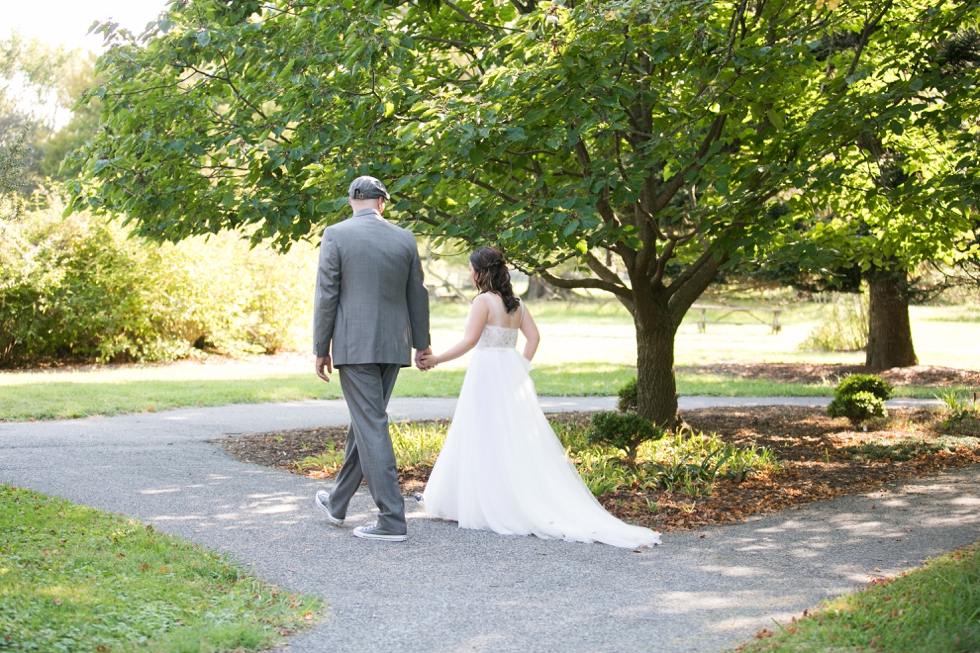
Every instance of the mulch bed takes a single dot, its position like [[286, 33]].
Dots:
[[919, 375], [818, 462], [818, 456]]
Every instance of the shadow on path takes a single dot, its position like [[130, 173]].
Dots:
[[448, 589]]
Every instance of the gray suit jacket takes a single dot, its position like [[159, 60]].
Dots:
[[370, 299]]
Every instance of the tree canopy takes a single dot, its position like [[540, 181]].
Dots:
[[647, 141]]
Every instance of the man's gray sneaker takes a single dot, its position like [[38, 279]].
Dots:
[[322, 501], [377, 533]]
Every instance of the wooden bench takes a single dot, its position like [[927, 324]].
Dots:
[[729, 310]]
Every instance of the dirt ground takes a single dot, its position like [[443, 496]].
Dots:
[[920, 375], [820, 457]]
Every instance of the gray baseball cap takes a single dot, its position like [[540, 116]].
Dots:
[[367, 188]]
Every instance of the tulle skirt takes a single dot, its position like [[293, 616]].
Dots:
[[503, 469]]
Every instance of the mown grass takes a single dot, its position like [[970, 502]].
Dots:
[[79, 580], [56, 396], [935, 609], [587, 349]]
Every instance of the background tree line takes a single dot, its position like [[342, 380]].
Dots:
[[78, 289]]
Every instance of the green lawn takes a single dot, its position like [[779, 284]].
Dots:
[[587, 349], [79, 580], [934, 609], [39, 396]]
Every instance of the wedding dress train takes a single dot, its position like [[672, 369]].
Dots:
[[503, 469]]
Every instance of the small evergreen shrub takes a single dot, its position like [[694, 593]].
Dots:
[[872, 383], [627, 397], [624, 431], [858, 407], [860, 397]]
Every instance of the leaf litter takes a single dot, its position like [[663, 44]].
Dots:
[[820, 458]]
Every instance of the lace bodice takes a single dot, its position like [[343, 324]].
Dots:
[[497, 336], [501, 329]]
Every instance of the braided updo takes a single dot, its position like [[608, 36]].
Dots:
[[492, 276]]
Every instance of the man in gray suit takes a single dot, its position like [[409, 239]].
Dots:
[[372, 307]]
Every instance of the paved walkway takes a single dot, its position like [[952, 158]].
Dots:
[[448, 589]]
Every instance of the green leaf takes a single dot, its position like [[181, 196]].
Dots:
[[776, 118]]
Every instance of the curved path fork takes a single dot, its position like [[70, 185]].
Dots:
[[448, 589]]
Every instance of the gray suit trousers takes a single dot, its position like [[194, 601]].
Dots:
[[367, 388]]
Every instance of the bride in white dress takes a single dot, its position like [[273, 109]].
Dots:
[[502, 468]]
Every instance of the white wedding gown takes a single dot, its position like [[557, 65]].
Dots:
[[502, 468]]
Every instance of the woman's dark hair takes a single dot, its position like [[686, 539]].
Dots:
[[492, 275]]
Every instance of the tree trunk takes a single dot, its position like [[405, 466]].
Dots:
[[537, 288], [889, 331], [656, 388]]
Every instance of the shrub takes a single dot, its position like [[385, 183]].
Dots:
[[872, 383], [624, 431], [860, 397], [81, 289], [627, 397], [858, 407]]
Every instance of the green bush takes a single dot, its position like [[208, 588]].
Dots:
[[79, 289], [627, 397], [858, 407], [624, 431], [872, 383], [860, 397]]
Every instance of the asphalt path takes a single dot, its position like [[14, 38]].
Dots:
[[448, 589]]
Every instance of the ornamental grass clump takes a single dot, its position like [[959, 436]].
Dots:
[[860, 398]]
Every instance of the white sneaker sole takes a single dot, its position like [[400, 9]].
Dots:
[[377, 536], [333, 520]]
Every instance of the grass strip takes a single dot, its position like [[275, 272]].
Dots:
[[77, 395], [935, 608], [80, 580]]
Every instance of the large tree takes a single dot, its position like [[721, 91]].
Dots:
[[910, 196], [654, 133]]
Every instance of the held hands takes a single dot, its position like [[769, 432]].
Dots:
[[425, 359], [430, 360]]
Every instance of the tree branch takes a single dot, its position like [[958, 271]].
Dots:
[[665, 255], [442, 214], [694, 281], [602, 271], [498, 193], [524, 9], [866, 32], [598, 284], [675, 183], [470, 19]]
